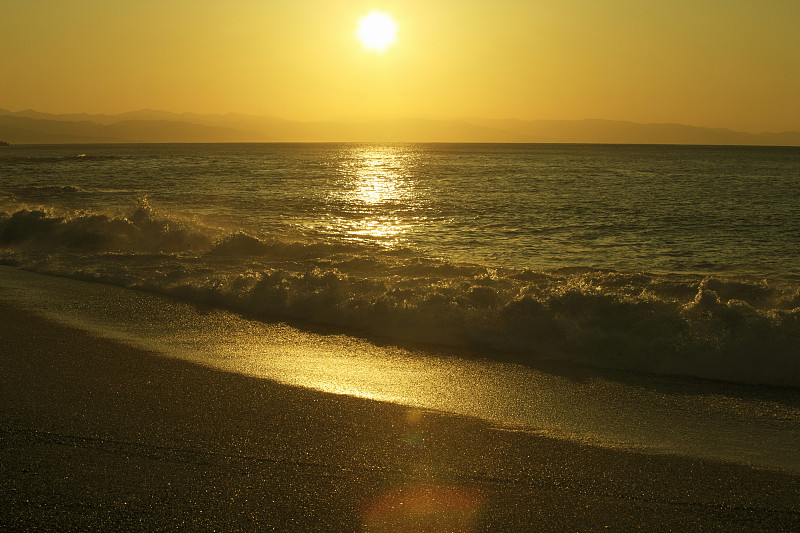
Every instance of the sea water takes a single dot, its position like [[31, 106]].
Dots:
[[646, 263]]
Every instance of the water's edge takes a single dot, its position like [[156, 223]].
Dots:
[[750, 425]]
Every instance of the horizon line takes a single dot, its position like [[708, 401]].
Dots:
[[356, 120]]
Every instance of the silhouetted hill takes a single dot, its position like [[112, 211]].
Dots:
[[24, 130], [172, 131], [29, 126], [619, 132]]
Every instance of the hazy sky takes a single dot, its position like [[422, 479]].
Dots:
[[721, 63]]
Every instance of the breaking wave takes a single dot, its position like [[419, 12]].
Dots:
[[740, 330], [137, 232]]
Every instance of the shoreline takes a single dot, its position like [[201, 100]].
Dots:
[[96, 434]]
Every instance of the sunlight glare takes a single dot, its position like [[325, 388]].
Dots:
[[377, 31], [377, 187]]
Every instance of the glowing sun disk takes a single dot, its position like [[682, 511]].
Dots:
[[377, 31]]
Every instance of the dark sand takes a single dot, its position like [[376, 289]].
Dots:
[[96, 435]]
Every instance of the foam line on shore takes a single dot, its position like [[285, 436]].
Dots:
[[612, 409], [734, 329]]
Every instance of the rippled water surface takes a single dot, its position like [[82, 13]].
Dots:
[[685, 209], [669, 260]]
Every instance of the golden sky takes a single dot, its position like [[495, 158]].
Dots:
[[719, 63]]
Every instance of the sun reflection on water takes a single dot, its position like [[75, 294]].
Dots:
[[375, 194], [378, 175]]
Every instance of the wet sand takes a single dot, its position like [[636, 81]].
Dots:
[[97, 435]]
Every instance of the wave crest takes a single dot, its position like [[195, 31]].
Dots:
[[141, 231], [708, 336], [732, 329]]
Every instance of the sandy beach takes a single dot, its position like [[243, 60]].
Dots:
[[97, 435]]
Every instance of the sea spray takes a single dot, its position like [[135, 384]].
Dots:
[[735, 329]]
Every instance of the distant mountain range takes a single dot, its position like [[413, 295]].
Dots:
[[149, 126]]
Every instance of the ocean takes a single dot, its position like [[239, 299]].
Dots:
[[644, 296]]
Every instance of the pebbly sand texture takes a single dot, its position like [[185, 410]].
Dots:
[[96, 435]]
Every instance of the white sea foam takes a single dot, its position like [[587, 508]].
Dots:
[[723, 421], [741, 330]]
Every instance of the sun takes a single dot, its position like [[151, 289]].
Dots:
[[377, 31]]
